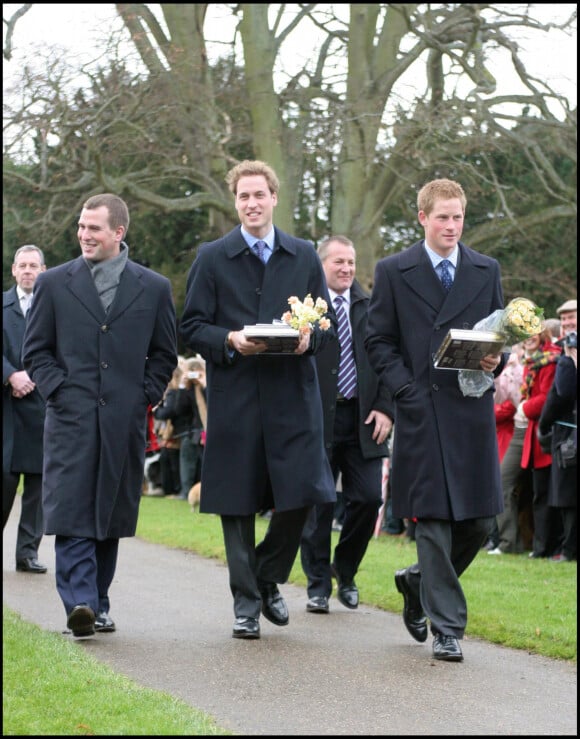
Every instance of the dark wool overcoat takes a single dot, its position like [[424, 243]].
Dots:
[[264, 444], [445, 459], [98, 372], [372, 394], [22, 418], [559, 416]]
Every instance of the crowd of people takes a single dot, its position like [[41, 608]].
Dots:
[[95, 394]]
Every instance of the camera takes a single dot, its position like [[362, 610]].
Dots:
[[570, 340], [193, 375]]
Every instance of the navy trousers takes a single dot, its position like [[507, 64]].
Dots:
[[84, 571]]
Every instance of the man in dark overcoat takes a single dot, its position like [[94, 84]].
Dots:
[[558, 426], [22, 415], [357, 412], [264, 445], [100, 345], [445, 470]]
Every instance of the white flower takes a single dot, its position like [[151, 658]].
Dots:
[[306, 314]]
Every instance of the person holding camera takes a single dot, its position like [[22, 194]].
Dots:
[[191, 410], [557, 433]]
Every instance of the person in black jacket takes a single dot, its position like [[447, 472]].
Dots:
[[558, 424], [23, 413], [357, 423]]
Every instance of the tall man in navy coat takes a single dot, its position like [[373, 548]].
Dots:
[[100, 345], [22, 415], [445, 458], [264, 445]]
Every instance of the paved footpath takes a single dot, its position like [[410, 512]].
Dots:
[[345, 673]]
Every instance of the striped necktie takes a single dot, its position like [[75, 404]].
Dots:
[[446, 279], [346, 368]]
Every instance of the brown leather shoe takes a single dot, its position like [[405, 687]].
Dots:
[[413, 615]]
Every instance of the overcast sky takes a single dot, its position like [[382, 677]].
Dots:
[[79, 27]]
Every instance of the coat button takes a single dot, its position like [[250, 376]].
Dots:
[[104, 365], [102, 401], [435, 387], [104, 328]]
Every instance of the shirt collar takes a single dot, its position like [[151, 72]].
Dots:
[[436, 258], [20, 292], [251, 240], [345, 295]]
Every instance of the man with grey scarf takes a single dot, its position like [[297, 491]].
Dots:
[[100, 345]]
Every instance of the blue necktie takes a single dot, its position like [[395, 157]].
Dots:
[[259, 247], [446, 279], [346, 368]]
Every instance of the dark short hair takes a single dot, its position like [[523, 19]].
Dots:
[[117, 207]]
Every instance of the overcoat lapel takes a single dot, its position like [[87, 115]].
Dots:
[[418, 273], [82, 285], [130, 287]]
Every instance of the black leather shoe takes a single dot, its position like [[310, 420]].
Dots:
[[318, 604], [274, 606], [413, 616], [246, 628], [30, 565], [103, 622], [81, 620], [447, 648], [347, 592]]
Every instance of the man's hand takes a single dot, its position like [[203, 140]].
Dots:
[[237, 340], [490, 362], [21, 384], [383, 425]]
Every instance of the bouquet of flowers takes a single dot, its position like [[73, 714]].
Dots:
[[519, 320], [306, 314]]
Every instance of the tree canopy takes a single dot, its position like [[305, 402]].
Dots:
[[350, 140]]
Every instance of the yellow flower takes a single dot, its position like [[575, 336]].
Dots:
[[306, 314], [519, 320]]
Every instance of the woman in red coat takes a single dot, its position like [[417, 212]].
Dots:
[[540, 360]]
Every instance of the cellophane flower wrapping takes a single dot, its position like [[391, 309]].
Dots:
[[305, 314], [519, 320]]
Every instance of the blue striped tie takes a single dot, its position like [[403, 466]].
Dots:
[[446, 278], [346, 368]]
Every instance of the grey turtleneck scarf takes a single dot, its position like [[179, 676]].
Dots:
[[107, 275]]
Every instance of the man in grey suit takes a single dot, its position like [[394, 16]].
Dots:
[[100, 344], [264, 446], [22, 414], [445, 459]]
